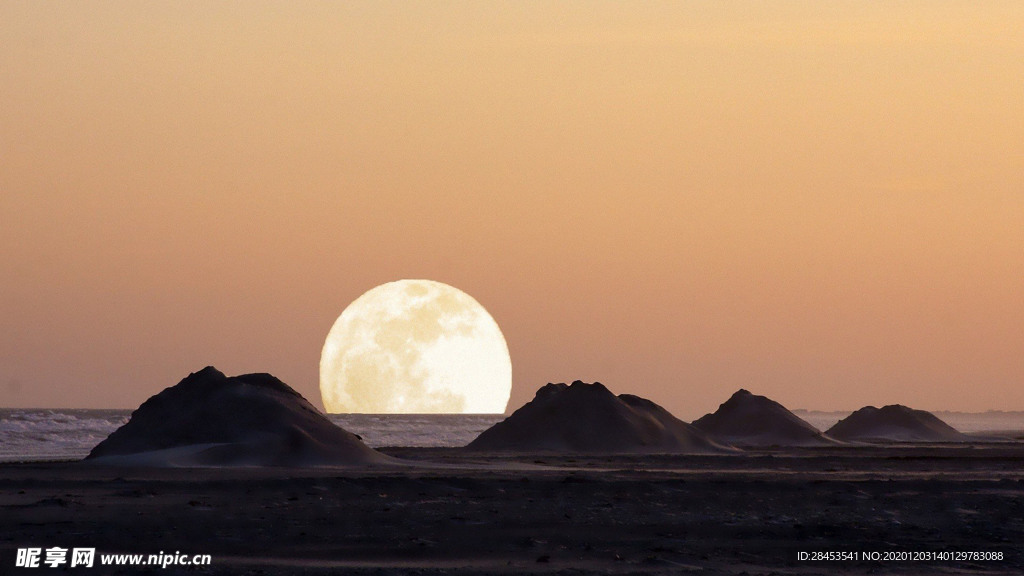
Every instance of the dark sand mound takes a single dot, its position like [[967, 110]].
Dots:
[[209, 419], [746, 419], [589, 418], [895, 423]]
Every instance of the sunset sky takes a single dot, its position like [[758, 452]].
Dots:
[[822, 202]]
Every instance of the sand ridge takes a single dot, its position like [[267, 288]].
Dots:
[[209, 419], [746, 419], [894, 423], [589, 418]]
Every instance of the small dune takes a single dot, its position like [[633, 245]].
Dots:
[[894, 423], [209, 419], [747, 419], [589, 418]]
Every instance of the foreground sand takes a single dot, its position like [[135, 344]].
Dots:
[[466, 513]]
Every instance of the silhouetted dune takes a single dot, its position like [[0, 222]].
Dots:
[[746, 419], [209, 419], [590, 418], [894, 423]]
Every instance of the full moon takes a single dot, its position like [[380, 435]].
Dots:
[[415, 347]]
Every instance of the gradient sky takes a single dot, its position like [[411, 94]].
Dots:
[[819, 201]]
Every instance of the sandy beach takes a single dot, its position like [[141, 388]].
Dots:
[[452, 511]]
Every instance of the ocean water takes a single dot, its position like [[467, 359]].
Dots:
[[54, 434], [65, 434], [420, 430]]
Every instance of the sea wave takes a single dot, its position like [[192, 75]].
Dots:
[[52, 434], [69, 434]]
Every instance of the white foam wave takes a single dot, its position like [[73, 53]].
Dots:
[[51, 434]]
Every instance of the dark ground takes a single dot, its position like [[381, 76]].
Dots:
[[472, 513]]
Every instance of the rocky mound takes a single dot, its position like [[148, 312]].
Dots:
[[895, 423], [589, 418], [209, 419], [746, 419]]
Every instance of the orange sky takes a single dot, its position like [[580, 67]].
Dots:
[[822, 202]]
